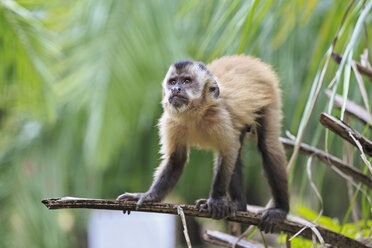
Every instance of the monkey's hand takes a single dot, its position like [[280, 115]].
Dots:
[[270, 218], [139, 197], [219, 208]]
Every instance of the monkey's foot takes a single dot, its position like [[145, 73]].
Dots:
[[270, 218], [218, 208], [139, 197], [240, 205]]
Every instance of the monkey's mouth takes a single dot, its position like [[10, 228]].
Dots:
[[178, 100]]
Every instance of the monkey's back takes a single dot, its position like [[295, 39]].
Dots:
[[247, 86]]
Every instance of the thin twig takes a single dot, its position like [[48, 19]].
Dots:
[[362, 155], [241, 236], [330, 160], [246, 217], [183, 219], [342, 129], [315, 189], [352, 108]]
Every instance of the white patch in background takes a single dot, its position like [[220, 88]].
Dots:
[[114, 229]]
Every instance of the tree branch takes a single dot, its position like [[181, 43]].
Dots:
[[362, 69], [246, 217], [352, 108], [343, 130], [330, 160]]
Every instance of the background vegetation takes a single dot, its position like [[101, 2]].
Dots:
[[80, 98]]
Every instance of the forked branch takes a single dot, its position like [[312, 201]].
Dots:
[[330, 160], [342, 129]]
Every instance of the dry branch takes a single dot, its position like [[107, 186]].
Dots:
[[246, 217], [330, 160], [342, 129], [352, 108], [223, 239], [362, 69]]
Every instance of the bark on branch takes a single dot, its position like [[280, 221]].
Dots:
[[246, 217], [352, 108], [362, 69], [330, 160], [343, 130]]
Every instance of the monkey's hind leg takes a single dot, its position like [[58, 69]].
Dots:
[[274, 163]]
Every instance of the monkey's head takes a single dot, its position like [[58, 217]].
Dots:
[[187, 86]]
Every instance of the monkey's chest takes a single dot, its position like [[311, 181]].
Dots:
[[204, 136], [201, 139]]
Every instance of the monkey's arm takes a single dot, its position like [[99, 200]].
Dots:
[[166, 177], [218, 204]]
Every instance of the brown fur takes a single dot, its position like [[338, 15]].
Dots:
[[212, 108], [247, 86]]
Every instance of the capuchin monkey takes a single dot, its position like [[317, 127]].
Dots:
[[213, 107]]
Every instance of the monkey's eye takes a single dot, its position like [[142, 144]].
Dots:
[[187, 81], [172, 82]]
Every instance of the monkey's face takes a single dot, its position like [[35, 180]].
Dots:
[[187, 85], [177, 86]]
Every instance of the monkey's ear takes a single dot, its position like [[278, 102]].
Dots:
[[214, 90]]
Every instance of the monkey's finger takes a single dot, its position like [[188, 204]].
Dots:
[[223, 213], [268, 227], [200, 202], [214, 214], [128, 196], [261, 225], [232, 209], [272, 228], [210, 210], [220, 212], [139, 203], [203, 207]]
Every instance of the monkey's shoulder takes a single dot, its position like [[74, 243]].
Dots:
[[243, 71]]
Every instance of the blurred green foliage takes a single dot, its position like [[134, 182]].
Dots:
[[354, 230], [80, 98]]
